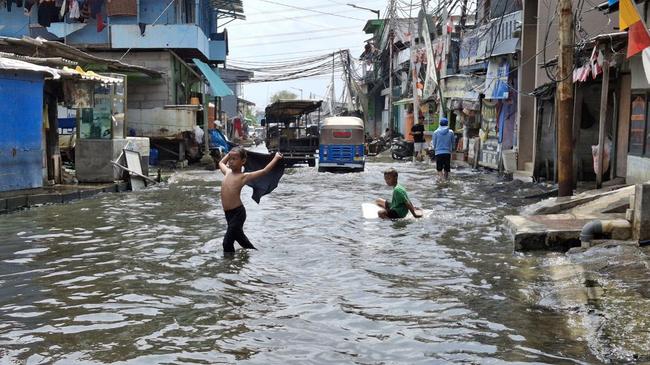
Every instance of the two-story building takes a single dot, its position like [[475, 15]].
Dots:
[[162, 35]]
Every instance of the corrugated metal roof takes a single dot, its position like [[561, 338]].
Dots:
[[43, 48], [229, 9], [11, 64]]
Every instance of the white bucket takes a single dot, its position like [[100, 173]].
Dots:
[[509, 160]]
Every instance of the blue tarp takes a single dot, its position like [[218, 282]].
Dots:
[[218, 87], [218, 141]]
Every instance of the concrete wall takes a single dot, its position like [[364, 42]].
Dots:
[[21, 152], [593, 22], [147, 98], [638, 169], [160, 122], [14, 23], [93, 159], [526, 108], [147, 93]]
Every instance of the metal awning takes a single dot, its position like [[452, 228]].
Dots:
[[509, 46], [218, 87]]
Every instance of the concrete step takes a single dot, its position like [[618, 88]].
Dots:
[[525, 176], [557, 231], [529, 166]]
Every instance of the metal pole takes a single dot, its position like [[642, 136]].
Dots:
[[565, 102], [604, 93], [390, 79], [416, 100], [206, 159]]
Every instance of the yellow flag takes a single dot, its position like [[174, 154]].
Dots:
[[628, 14]]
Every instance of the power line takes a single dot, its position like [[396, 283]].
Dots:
[[294, 33], [315, 11], [293, 40], [299, 52], [310, 8]]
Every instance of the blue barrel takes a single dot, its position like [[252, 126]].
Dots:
[[153, 156]]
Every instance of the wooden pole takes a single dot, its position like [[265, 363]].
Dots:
[[565, 101], [604, 93]]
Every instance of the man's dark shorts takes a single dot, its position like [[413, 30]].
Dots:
[[391, 213], [443, 162]]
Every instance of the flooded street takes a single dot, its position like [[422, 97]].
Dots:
[[140, 278]]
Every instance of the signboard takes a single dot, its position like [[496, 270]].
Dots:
[[482, 42], [472, 47], [637, 124], [496, 79], [461, 87], [489, 156]]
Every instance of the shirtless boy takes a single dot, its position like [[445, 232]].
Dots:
[[231, 166]]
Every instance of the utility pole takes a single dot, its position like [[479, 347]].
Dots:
[[463, 20], [565, 102], [332, 94], [390, 79], [414, 71], [348, 71]]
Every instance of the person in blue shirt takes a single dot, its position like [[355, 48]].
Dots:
[[442, 144]]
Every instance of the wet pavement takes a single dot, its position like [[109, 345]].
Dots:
[[140, 278]]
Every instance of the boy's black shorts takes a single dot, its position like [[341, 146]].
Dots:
[[443, 162], [391, 213]]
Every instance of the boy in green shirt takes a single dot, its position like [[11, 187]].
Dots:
[[400, 204]]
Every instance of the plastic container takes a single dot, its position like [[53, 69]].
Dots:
[[154, 154], [510, 160]]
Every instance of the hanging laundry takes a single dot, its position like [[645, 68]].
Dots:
[[95, 7], [74, 10], [85, 9], [9, 3], [28, 7], [64, 9], [143, 28], [47, 13], [100, 23], [596, 68], [122, 7]]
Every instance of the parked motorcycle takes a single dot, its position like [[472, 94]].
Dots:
[[401, 149], [378, 145]]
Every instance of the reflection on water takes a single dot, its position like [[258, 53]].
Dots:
[[140, 278]]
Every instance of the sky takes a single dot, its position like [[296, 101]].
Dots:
[[274, 32]]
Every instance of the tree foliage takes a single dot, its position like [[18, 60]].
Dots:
[[283, 94]]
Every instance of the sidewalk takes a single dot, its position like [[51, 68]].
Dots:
[[18, 199]]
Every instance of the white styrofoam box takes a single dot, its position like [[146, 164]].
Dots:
[[139, 144]]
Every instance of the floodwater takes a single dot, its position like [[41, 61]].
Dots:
[[140, 278]]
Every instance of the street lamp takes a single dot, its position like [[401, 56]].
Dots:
[[297, 88], [361, 7]]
